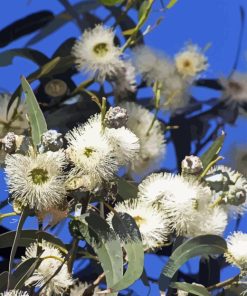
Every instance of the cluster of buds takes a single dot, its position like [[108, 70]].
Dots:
[[116, 117]]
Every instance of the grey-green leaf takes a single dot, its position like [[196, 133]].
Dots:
[[126, 189], [126, 229], [193, 289], [36, 117], [213, 151], [106, 245], [197, 246]]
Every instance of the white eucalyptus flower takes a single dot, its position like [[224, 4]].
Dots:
[[37, 180], [235, 88], [152, 142], [80, 288], [91, 153], [191, 61], [152, 65], [14, 293], [96, 53], [125, 143], [125, 81], [152, 223], [52, 260], [237, 250]]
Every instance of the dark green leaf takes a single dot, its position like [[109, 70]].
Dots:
[[3, 281], [128, 232], [197, 246], [23, 271], [35, 115], [6, 57], [213, 151], [126, 189], [191, 288], [27, 237], [62, 19], [110, 2], [106, 245]]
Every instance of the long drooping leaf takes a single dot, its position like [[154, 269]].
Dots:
[[36, 117], [106, 245], [23, 272], [213, 151], [29, 236], [197, 246], [3, 281], [62, 19], [126, 189], [6, 57], [126, 229], [25, 26], [193, 289]]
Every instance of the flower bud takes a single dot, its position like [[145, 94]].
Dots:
[[116, 117], [51, 141], [9, 143], [192, 165], [236, 196]]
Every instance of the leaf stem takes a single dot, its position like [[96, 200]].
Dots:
[[224, 283]]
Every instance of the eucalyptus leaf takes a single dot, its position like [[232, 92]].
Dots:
[[106, 245], [128, 232], [36, 117], [126, 189], [62, 19], [6, 57], [3, 281], [171, 3], [110, 2], [213, 151], [197, 246], [143, 9], [193, 289]]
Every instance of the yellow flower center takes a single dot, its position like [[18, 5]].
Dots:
[[88, 152], [39, 176], [139, 220], [101, 49]]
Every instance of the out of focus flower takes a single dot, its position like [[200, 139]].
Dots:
[[235, 88], [96, 53], [11, 121], [52, 260], [191, 61], [151, 222], [152, 143], [230, 188], [237, 250], [37, 180], [14, 293], [80, 288]]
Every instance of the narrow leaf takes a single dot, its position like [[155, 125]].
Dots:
[[3, 281], [197, 246], [110, 2], [126, 189], [36, 117], [213, 151], [171, 3], [194, 289], [125, 227]]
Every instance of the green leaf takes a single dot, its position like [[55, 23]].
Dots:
[[23, 271], [143, 9], [197, 246], [62, 19], [36, 117], [171, 3], [128, 232], [6, 57], [3, 281], [110, 2], [30, 236], [213, 151], [106, 245], [193, 289], [126, 189]]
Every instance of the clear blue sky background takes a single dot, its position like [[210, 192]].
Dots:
[[206, 21]]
